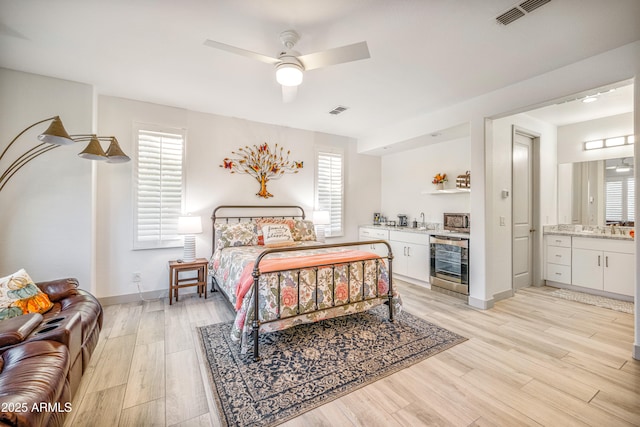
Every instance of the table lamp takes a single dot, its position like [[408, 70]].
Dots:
[[320, 220], [189, 225]]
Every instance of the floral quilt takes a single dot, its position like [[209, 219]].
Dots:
[[289, 298]]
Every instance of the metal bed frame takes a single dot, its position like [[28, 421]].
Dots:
[[299, 213]]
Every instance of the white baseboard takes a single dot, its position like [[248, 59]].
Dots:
[[481, 304], [503, 295], [149, 295]]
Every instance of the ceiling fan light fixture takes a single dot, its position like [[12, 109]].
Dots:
[[288, 74]]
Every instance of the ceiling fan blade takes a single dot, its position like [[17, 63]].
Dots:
[[289, 93], [260, 57], [338, 55]]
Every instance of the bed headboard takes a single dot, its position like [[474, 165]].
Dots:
[[239, 213]]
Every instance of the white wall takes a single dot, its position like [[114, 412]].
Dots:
[[406, 175], [46, 211], [571, 139], [210, 138]]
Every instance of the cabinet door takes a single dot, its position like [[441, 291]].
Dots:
[[587, 268], [418, 261], [399, 257], [619, 273]]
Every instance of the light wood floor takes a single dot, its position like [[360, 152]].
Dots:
[[532, 360]]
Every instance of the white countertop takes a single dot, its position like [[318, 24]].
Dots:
[[596, 233], [445, 233]]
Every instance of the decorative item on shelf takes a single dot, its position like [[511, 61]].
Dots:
[[55, 136], [439, 180], [263, 164], [464, 181], [189, 225], [321, 219]]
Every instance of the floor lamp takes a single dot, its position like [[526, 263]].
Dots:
[[189, 225], [55, 136]]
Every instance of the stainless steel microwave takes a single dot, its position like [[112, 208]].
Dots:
[[458, 222]]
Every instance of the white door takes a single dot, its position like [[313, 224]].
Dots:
[[522, 210]]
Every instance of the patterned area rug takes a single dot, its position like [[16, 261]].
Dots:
[[309, 365], [610, 303]]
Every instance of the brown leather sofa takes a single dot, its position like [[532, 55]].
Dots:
[[43, 356]]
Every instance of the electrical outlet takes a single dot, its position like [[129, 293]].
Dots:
[[137, 277]]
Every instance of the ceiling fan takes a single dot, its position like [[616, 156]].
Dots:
[[290, 65]]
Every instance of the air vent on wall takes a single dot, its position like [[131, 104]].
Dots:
[[517, 12], [339, 109]]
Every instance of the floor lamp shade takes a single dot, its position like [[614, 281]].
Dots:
[[189, 225]]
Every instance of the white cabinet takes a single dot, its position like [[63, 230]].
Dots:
[[604, 264], [366, 234], [410, 254], [558, 258]]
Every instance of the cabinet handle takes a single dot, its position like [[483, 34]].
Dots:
[[558, 241], [558, 256], [558, 274], [404, 250], [606, 261], [598, 260]]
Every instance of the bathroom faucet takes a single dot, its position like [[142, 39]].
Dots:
[[422, 217]]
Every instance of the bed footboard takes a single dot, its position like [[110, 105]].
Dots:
[[334, 301]]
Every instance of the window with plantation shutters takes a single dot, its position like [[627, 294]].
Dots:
[[330, 189], [620, 198], [159, 192]]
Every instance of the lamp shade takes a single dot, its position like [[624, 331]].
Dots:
[[189, 225], [93, 150], [288, 74], [321, 217], [56, 134], [115, 153]]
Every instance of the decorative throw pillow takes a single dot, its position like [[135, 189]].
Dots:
[[238, 234], [263, 221], [277, 235], [19, 295], [303, 231]]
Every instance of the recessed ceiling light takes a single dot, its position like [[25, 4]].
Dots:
[[589, 99]]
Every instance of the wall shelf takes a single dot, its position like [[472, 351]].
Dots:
[[448, 191]]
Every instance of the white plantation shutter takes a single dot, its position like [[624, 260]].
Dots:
[[620, 198], [159, 188], [330, 189]]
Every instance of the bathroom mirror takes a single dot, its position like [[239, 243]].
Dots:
[[598, 192]]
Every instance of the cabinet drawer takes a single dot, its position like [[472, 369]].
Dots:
[[373, 234], [563, 241], [403, 236], [559, 273], [559, 255]]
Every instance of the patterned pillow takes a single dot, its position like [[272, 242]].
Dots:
[[277, 235], [303, 231], [262, 221], [238, 234], [19, 295]]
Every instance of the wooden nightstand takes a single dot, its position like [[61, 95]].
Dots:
[[175, 282]]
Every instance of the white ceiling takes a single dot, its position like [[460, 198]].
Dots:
[[425, 54]]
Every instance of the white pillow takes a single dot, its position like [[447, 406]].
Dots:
[[276, 235]]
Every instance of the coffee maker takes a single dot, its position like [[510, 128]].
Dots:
[[402, 220]]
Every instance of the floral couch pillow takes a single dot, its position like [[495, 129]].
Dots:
[[238, 234], [303, 231], [20, 295]]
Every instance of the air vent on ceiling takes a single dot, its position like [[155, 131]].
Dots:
[[339, 109], [517, 12]]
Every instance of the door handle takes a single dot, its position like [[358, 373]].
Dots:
[[533, 229]]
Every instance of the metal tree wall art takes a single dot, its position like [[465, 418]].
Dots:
[[262, 164]]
